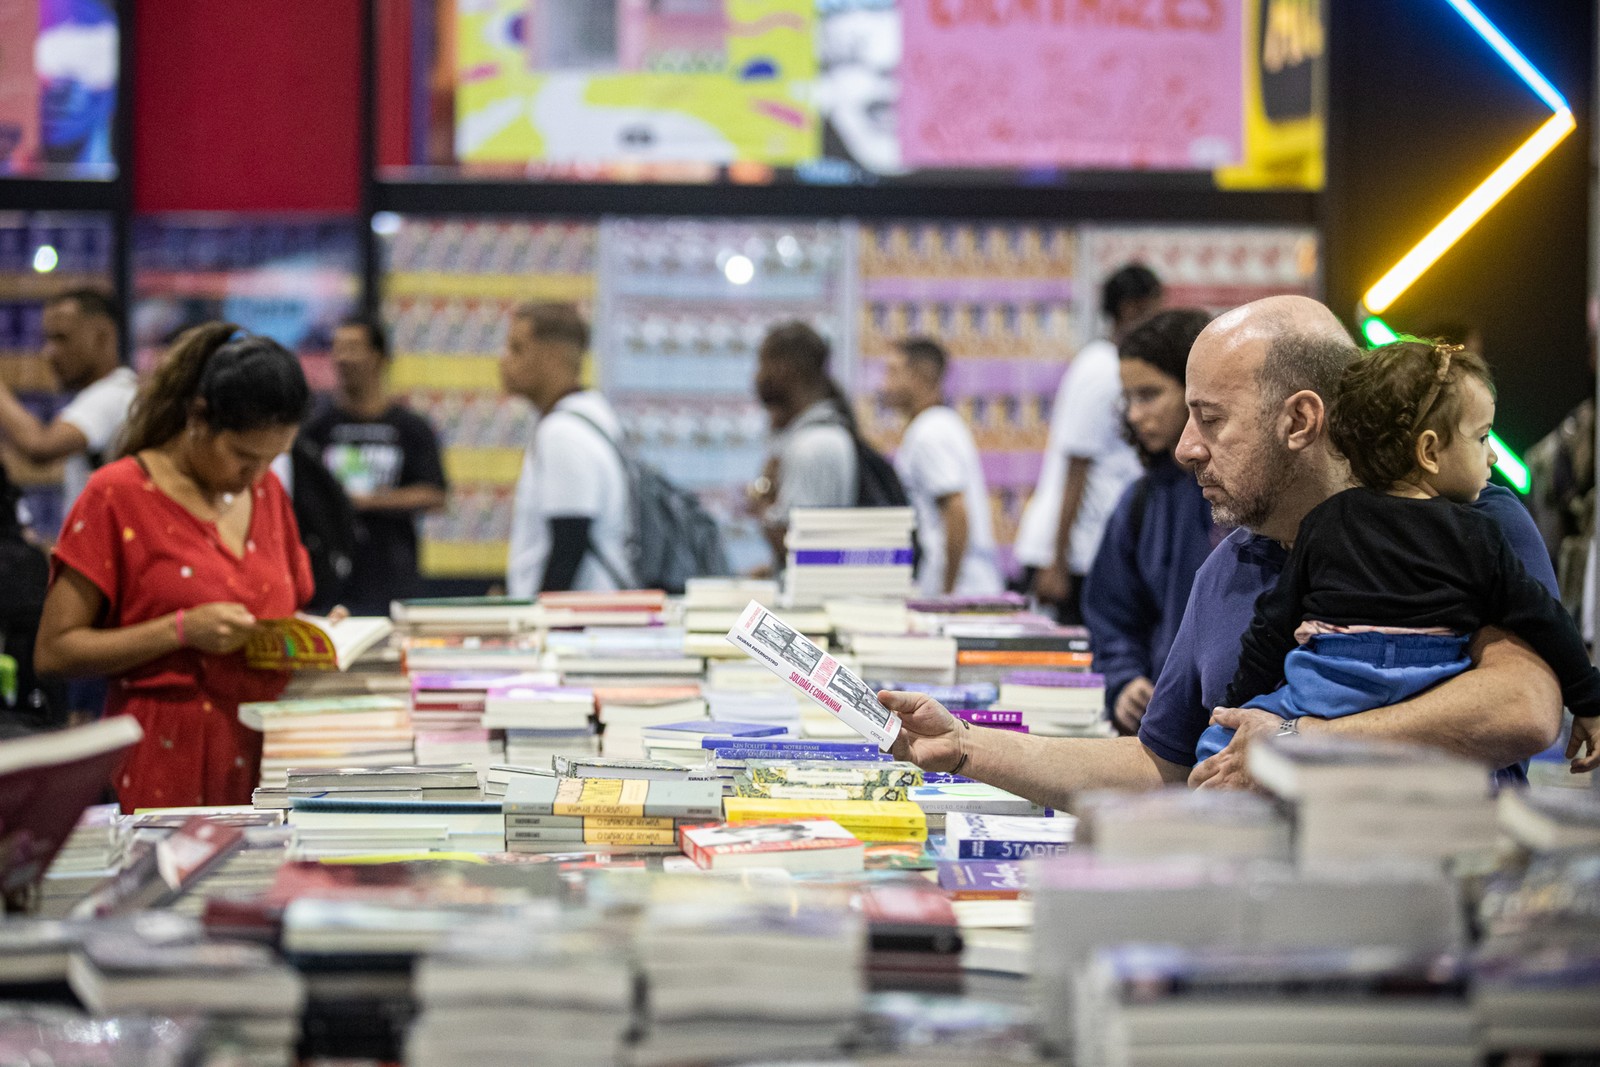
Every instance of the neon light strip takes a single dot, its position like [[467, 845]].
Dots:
[[1508, 52], [1507, 462], [1468, 212]]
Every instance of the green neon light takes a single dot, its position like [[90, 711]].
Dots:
[[1508, 463]]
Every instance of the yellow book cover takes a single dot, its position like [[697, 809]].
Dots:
[[600, 796], [881, 813], [629, 837], [313, 643]]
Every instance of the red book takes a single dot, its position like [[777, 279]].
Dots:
[[45, 783], [198, 845], [803, 845]]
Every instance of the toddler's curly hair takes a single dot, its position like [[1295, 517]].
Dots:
[[1389, 396]]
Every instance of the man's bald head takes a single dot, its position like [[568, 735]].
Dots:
[[1289, 343]]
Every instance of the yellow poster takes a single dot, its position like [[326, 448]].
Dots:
[[581, 83]]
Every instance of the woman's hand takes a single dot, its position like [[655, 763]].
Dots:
[[930, 736], [219, 628]]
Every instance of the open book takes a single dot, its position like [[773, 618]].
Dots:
[[312, 643]]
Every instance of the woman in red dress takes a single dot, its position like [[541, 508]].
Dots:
[[170, 556]]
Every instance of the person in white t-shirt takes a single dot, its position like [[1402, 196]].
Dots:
[[569, 526], [80, 344], [938, 465], [1088, 462]]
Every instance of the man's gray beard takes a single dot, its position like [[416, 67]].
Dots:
[[1272, 468]]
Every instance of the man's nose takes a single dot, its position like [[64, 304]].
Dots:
[[1190, 452]]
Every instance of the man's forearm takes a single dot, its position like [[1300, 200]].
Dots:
[[20, 427], [416, 498], [1048, 770], [1507, 708], [954, 511]]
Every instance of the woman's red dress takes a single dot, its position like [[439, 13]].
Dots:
[[149, 556]]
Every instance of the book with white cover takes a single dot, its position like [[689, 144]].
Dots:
[[796, 659], [802, 845], [1302, 767]]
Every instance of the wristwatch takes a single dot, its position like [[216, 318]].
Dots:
[[1288, 728]]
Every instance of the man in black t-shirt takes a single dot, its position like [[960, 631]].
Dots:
[[386, 457]]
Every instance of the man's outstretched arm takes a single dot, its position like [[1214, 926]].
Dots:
[[1045, 770]]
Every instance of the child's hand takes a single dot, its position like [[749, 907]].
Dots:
[[1585, 734]]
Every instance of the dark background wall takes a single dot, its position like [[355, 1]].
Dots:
[[243, 106], [1421, 111]]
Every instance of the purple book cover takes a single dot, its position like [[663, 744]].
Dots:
[[856, 557], [984, 717], [982, 876], [1057, 679]]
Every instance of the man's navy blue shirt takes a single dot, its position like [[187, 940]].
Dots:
[[1205, 652]]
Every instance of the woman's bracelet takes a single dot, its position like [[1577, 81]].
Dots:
[[177, 624], [961, 746]]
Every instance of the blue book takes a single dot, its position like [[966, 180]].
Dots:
[[1006, 837], [855, 557]]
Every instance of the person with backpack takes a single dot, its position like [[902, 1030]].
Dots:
[[816, 457], [1161, 530], [570, 519]]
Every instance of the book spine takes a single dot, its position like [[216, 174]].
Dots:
[[1022, 644], [630, 837], [1009, 850]]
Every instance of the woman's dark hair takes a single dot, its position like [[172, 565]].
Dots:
[[806, 351], [1388, 397], [1164, 339], [1132, 282], [246, 382]]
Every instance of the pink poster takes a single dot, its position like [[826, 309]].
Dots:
[[1105, 84], [19, 86]]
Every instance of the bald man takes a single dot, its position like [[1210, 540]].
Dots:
[[1259, 382]]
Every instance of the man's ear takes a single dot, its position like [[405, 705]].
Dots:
[[1304, 419], [1427, 451]]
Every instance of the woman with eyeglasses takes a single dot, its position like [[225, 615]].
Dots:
[[170, 556], [1161, 530]]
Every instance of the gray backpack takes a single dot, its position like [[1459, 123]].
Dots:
[[671, 536]]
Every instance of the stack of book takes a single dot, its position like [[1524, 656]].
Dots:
[[756, 698], [848, 552], [1162, 1007], [432, 781], [1006, 837], [1058, 703], [447, 714], [1179, 821], [906, 657], [1370, 800], [335, 826], [779, 779], [357, 731], [729, 756], [711, 606], [241, 989], [811, 845], [938, 799], [989, 652], [1551, 818], [492, 994], [1082, 902], [687, 742], [849, 616], [611, 655], [88, 857], [738, 976], [604, 814], [1536, 976], [626, 711], [471, 652], [970, 696], [462, 616], [914, 941], [574, 611], [541, 721], [870, 820]]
